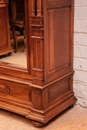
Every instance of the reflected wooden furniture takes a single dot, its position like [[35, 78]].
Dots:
[[17, 19], [5, 47], [45, 87]]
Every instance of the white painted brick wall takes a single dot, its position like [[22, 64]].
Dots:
[[80, 51]]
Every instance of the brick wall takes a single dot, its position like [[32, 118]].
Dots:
[[80, 51]]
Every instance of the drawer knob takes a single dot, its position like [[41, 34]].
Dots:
[[4, 89]]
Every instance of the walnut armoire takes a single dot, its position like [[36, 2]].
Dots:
[[45, 87]]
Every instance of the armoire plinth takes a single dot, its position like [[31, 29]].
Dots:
[[45, 87]]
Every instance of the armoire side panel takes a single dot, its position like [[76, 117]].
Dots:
[[58, 39]]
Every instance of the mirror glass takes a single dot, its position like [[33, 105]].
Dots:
[[17, 35]]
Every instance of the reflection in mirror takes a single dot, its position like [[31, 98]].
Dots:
[[17, 34]]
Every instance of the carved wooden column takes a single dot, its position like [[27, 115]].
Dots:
[[37, 43], [33, 7], [39, 8], [37, 40]]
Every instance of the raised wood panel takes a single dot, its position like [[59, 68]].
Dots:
[[58, 39], [58, 89], [58, 53]]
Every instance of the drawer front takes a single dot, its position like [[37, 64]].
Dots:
[[15, 92]]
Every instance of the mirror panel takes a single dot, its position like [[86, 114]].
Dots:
[[13, 35]]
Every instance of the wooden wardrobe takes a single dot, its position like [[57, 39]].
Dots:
[[45, 87]]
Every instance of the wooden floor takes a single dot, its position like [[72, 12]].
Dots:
[[72, 119]]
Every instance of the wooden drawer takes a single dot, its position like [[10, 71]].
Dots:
[[15, 92]]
